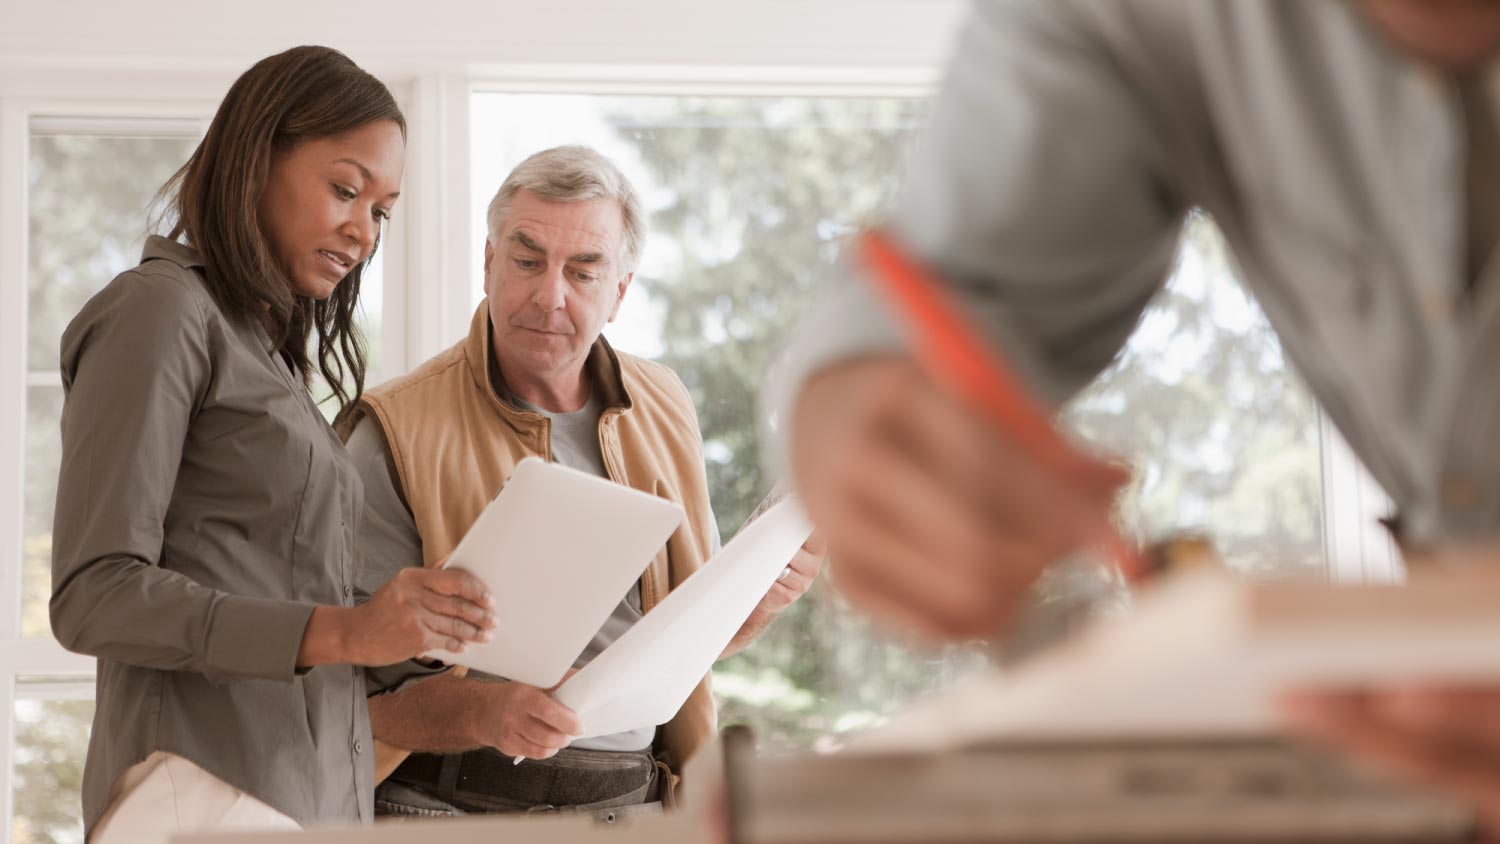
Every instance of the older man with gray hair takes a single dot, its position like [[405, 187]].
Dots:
[[535, 377]]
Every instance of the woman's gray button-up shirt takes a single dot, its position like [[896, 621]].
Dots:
[[204, 508]]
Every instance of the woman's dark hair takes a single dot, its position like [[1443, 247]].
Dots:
[[302, 94]]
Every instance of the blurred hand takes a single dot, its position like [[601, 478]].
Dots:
[[802, 570], [934, 521], [1445, 737], [524, 720], [418, 610]]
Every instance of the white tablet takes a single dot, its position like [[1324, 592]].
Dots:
[[559, 549]]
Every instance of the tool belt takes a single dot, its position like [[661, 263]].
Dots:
[[608, 784]]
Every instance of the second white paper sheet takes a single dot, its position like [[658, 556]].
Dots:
[[645, 676]]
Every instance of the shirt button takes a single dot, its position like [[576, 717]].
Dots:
[[348, 591], [359, 746]]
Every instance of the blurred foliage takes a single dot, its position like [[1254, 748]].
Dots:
[[89, 205], [1222, 434], [51, 739]]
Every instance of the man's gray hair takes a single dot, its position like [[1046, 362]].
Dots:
[[574, 174]]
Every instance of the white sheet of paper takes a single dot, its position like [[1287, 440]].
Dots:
[[558, 549], [645, 676]]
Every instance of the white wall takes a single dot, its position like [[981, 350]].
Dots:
[[400, 37]]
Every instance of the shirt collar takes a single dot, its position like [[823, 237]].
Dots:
[[178, 253], [188, 258]]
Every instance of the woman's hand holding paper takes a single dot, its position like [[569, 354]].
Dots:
[[417, 611]]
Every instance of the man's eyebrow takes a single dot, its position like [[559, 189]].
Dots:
[[521, 237], [365, 171], [525, 240]]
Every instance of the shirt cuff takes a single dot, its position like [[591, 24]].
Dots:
[[255, 637]]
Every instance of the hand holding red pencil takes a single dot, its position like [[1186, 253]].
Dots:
[[941, 488]]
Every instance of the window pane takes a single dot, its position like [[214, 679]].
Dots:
[[1222, 433], [43, 451], [51, 741], [750, 201], [88, 217], [372, 314]]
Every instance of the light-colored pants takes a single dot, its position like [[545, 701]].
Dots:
[[167, 794]]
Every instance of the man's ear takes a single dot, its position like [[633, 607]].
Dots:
[[620, 297], [489, 258]]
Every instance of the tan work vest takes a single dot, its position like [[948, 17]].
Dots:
[[453, 444]]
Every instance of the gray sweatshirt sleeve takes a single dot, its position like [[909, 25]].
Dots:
[[387, 542], [135, 364], [1040, 191]]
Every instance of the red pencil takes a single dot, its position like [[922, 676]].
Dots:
[[953, 354]]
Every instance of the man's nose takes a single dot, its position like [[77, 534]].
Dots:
[[551, 290]]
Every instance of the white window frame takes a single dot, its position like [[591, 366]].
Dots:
[[428, 271], [1357, 547]]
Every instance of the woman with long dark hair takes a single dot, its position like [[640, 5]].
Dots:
[[206, 511]]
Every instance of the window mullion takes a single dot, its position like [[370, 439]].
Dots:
[[14, 148], [1358, 548], [431, 297], [7, 755]]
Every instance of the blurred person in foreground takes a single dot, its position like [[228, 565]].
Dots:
[[206, 512], [1349, 153], [536, 377]]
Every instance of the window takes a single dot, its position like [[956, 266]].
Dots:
[[750, 199]]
